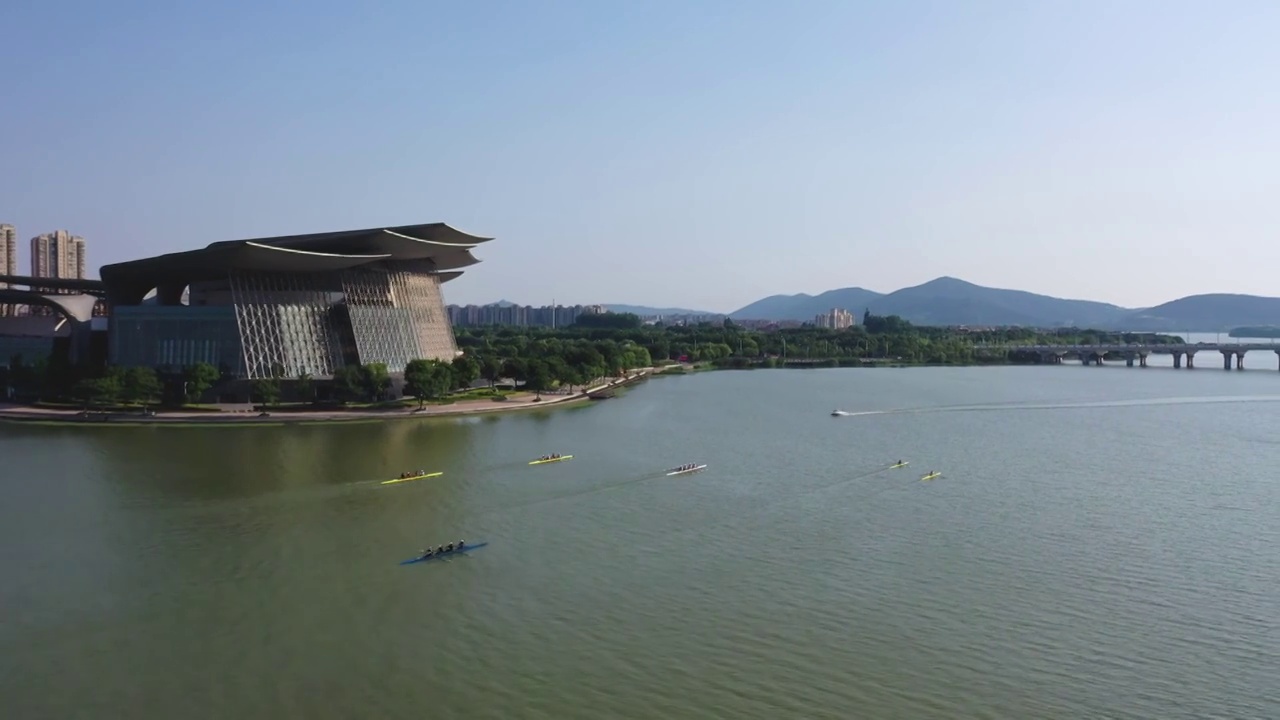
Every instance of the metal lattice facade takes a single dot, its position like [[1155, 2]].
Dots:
[[420, 294], [285, 327], [314, 323], [396, 316]]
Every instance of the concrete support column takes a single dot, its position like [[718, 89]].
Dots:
[[1191, 360], [1226, 359], [1142, 359], [1128, 359], [1240, 361], [1084, 358], [1098, 359], [1177, 360], [1278, 357]]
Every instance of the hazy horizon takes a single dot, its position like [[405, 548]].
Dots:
[[670, 154]]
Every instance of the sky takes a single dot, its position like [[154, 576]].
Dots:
[[692, 154]]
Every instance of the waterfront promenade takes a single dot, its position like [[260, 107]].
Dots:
[[521, 401], [1136, 354]]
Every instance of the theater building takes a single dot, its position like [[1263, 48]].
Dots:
[[290, 306]]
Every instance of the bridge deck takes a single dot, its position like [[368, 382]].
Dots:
[[1183, 348]]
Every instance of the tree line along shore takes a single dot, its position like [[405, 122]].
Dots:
[[499, 360]]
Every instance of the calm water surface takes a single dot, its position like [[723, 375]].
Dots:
[[1105, 542]]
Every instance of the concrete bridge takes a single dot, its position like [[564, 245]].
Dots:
[[1137, 353]]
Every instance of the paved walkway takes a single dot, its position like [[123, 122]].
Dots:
[[524, 401]]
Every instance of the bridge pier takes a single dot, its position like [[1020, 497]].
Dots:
[[1096, 354]]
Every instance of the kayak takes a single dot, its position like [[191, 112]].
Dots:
[[550, 460], [901, 464], [931, 476], [685, 471], [415, 477], [446, 554]]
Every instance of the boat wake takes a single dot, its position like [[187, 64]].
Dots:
[[1088, 405]]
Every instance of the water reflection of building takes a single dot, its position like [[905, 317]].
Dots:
[[287, 306]]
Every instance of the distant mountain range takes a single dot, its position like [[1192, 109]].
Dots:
[[950, 301]]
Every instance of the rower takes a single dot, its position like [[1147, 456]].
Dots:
[[439, 549], [461, 544], [448, 548], [426, 553]]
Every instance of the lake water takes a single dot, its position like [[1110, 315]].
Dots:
[[1104, 543]]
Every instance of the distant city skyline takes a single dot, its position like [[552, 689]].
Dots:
[[686, 154]]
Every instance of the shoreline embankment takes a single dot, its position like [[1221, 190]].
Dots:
[[16, 413]]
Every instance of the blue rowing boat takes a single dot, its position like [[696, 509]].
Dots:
[[446, 554]]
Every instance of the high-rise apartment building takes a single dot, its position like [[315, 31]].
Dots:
[[58, 254], [8, 251], [836, 319], [8, 260]]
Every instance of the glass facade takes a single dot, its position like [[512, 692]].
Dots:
[[170, 338], [285, 323], [29, 349], [317, 322], [397, 316], [420, 294]]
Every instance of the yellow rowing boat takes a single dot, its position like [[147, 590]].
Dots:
[[931, 476], [550, 460], [415, 477]]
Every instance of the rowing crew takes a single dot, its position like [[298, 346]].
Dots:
[[443, 549], [556, 456], [407, 475], [682, 468]]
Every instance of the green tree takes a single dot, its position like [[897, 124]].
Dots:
[[140, 385], [427, 380], [571, 376], [465, 371], [267, 390], [491, 369], [98, 392], [348, 383], [199, 378], [376, 380], [537, 377], [608, 320]]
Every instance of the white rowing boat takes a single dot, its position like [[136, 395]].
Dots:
[[685, 471]]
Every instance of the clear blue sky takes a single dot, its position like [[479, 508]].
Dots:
[[699, 154]]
